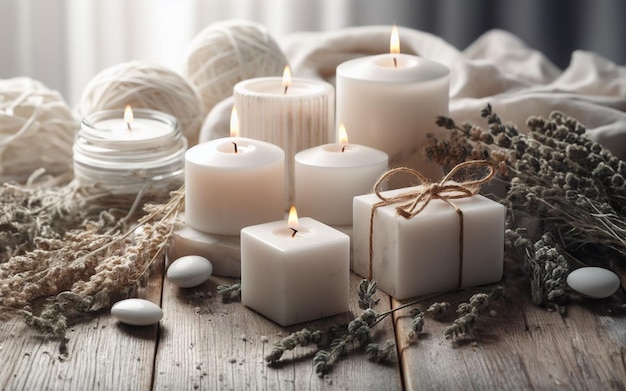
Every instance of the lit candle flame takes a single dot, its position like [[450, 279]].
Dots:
[[292, 220], [128, 116], [234, 123], [342, 136], [286, 78], [394, 41]]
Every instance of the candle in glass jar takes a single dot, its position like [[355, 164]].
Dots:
[[295, 271], [233, 182], [129, 152], [293, 113], [327, 177], [390, 102]]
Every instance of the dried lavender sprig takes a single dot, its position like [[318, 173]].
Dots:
[[302, 338], [358, 334], [469, 312], [381, 355], [230, 292], [87, 271], [367, 290]]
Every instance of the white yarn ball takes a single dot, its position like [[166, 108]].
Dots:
[[37, 130], [217, 122], [143, 84], [227, 52]]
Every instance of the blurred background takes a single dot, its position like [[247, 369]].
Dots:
[[64, 43]]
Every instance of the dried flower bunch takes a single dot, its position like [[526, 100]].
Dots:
[[65, 253], [340, 340], [566, 196], [336, 341], [27, 214]]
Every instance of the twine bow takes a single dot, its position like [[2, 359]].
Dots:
[[413, 202]]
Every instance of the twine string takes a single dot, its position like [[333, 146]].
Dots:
[[413, 202]]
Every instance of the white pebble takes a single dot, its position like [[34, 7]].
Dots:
[[137, 312], [594, 282], [189, 271]]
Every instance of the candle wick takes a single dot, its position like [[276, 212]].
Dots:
[[285, 90], [128, 125], [235, 144], [343, 148], [295, 231], [395, 62]]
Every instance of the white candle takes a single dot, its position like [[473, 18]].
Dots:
[[295, 274], [129, 128], [124, 152], [390, 101], [233, 182], [327, 177], [294, 114], [418, 256]]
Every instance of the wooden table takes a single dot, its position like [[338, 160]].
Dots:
[[202, 343]]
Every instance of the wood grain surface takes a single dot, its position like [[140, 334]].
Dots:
[[202, 343]]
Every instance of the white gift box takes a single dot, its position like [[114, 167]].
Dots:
[[421, 255]]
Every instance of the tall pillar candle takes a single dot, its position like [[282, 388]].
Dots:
[[328, 176], [294, 114], [390, 102], [233, 182]]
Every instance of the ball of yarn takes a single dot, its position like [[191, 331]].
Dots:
[[227, 52], [217, 122], [37, 130], [143, 84]]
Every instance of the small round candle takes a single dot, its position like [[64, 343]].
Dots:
[[233, 182], [391, 102], [126, 151], [293, 113], [329, 176]]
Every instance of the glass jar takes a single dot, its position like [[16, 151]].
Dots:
[[143, 154]]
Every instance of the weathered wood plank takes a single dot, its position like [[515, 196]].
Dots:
[[206, 344], [100, 354], [521, 347]]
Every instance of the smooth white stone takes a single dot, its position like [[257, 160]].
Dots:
[[137, 312], [189, 271], [594, 282]]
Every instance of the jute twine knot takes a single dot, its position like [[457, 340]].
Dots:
[[413, 202]]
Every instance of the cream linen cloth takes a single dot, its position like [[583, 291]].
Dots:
[[497, 68]]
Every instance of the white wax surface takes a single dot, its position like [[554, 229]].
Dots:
[[421, 255], [300, 119], [326, 180], [226, 191], [393, 109], [272, 86], [143, 129], [295, 279]]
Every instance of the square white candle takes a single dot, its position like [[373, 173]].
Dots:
[[419, 256], [293, 279]]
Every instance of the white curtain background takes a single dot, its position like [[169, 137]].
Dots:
[[64, 43]]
